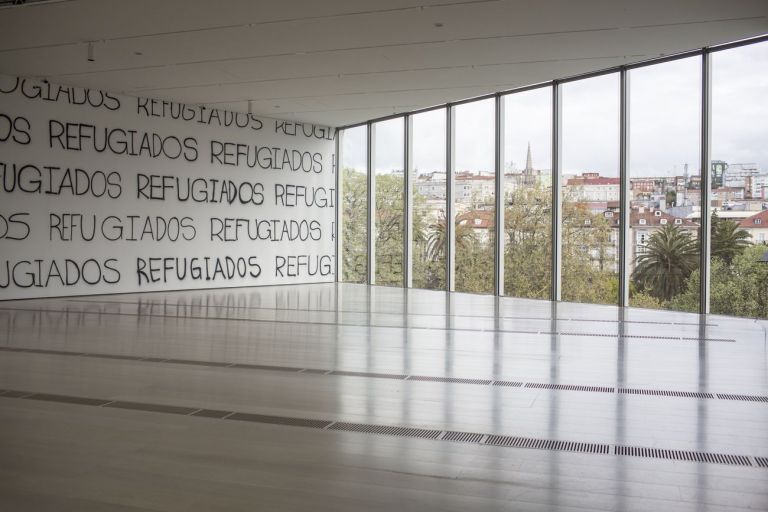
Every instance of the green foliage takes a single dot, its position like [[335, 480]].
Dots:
[[667, 261], [588, 260], [666, 273], [354, 226], [389, 229], [528, 243], [737, 289], [728, 240], [670, 197]]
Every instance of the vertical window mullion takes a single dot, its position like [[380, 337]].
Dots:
[[705, 236], [407, 203], [450, 261], [624, 209], [371, 182], [557, 212], [499, 199]]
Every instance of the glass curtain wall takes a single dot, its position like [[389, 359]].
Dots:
[[664, 237], [388, 161], [354, 204], [590, 190], [474, 195], [528, 193], [739, 177], [664, 182], [429, 199]]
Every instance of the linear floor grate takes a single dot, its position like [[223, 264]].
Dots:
[[386, 430], [66, 399], [546, 444], [464, 437], [660, 453], [456, 380], [372, 375], [142, 406], [279, 420], [497, 440], [570, 387], [508, 383], [746, 398], [660, 392]]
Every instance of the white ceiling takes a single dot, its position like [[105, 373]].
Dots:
[[337, 62]]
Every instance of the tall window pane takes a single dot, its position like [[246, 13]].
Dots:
[[528, 194], [354, 175], [590, 192], [429, 206], [665, 192], [474, 194], [388, 150], [739, 270]]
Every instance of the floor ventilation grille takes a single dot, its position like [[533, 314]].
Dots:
[[746, 398], [464, 437], [141, 406], [508, 383], [365, 374], [279, 420], [546, 444], [266, 367], [659, 453], [79, 400], [570, 387], [498, 440], [386, 430], [455, 380], [658, 392]]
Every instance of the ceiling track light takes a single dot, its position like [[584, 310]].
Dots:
[[90, 52]]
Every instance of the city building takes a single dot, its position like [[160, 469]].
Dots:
[[757, 227]]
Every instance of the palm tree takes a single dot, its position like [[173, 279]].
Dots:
[[728, 239], [437, 238], [668, 259]]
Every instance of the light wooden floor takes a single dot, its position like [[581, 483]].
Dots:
[[271, 351]]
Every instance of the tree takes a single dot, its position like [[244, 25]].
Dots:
[[354, 226], [728, 240], [388, 222], [437, 239], [667, 261], [738, 289], [588, 254], [670, 197], [528, 242]]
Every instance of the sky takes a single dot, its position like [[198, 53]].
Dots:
[[664, 127]]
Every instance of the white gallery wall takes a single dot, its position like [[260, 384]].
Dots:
[[105, 193]]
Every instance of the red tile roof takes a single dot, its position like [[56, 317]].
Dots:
[[749, 222]]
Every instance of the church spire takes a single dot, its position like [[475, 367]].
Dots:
[[528, 178]]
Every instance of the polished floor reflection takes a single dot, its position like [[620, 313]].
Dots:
[[352, 354]]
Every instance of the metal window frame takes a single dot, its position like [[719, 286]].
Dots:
[[499, 199], [556, 261], [337, 246], [407, 202], [450, 206], [370, 214], [624, 190], [557, 211], [705, 235]]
